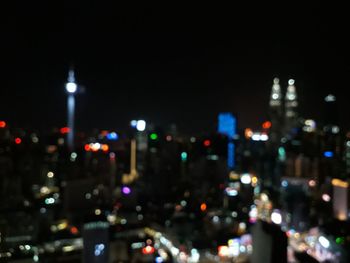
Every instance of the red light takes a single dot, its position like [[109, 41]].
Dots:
[[207, 143], [203, 207], [148, 250], [18, 140], [2, 124], [64, 130], [266, 125], [87, 147], [74, 230]]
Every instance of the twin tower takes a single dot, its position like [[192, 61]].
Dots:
[[283, 109]]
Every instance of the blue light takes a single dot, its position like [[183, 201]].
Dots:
[[231, 155], [99, 249], [284, 183], [112, 136], [159, 259], [227, 126], [328, 154]]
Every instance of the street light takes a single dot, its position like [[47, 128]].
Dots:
[[71, 88]]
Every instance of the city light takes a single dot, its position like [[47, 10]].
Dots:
[[140, 125], [126, 190], [148, 250], [112, 136], [328, 154], [267, 125], [326, 197], [18, 140], [206, 143], [246, 179], [324, 241], [71, 87], [64, 130], [2, 124], [153, 136], [276, 217], [340, 183], [184, 156], [203, 207]]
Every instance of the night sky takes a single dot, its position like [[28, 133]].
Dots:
[[170, 64]]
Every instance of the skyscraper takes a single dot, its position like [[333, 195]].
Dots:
[[291, 104], [275, 112]]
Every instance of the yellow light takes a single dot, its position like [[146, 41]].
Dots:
[[234, 176], [97, 212], [340, 183], [62, 226], [254, 180]]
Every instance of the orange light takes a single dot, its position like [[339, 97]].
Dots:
[[203, 207], [340, 183], [64, 130], [87, 147], [248, 133], [207, 143], [18, 140], [148, 250], [74, 230], [2, 124], [267, 125], [105, 147], [223, 251]]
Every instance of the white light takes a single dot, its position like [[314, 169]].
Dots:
[[330, 98], [291, 82], [324, 241], [335, 129], [326, 198], [231, 192], [256, 137], [50, 174], [348, 143], [141, 125], [264, 137], [71, 87], [183, 203], [276, 217], [216, 219], [275, 96], [245, 179]]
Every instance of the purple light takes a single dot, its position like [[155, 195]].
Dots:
[[126, 190]]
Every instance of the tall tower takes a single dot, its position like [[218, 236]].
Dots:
[[275, 112], [291, 105]]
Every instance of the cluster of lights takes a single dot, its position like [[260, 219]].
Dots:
[[260, 137], [94, 147], [140, 125]]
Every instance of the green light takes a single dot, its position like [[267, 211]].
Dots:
[[153, 136], [184, 156], [340, 240]]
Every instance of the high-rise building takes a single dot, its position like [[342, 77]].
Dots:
[[291, 104], [275, 112]]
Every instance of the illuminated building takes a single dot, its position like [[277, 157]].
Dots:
[[291, 104], [227, 126], [275, 112]]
